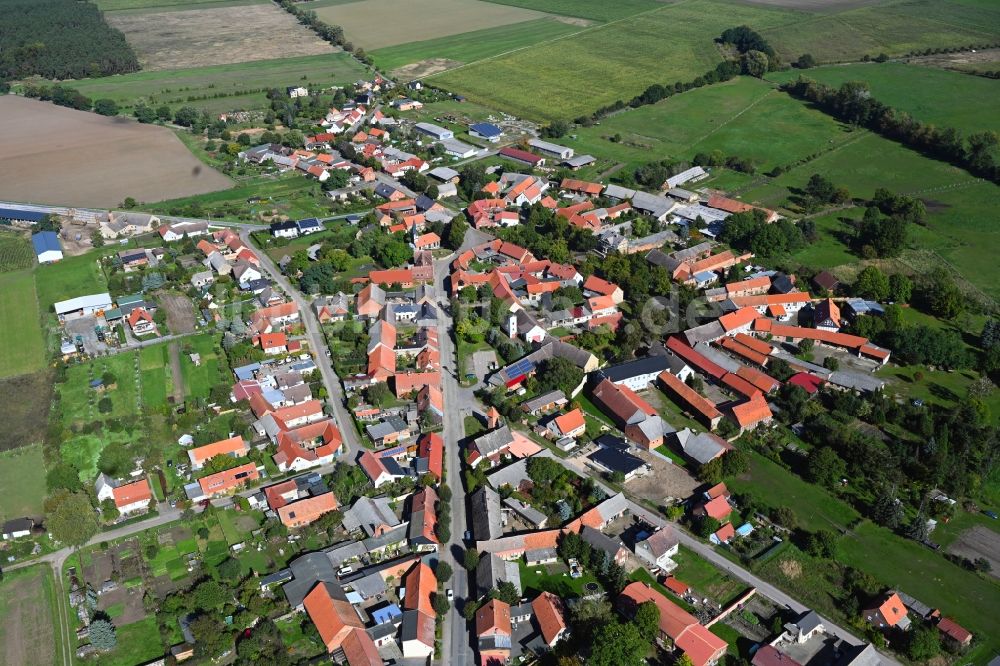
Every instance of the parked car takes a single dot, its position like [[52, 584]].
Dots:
[[451, 594]]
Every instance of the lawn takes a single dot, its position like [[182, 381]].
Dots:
[[733, 117], [22, 476], [705, 578], [69, 278], [832, 247], [20, 325], [249, 81], [84, 451], [939, 387], [553, 578], [940, 97], [289, 194], [156, 381], [469, 46], [16, 252], [775, 486], [199, 380], [567, 77], [138, 643], [29, 618]]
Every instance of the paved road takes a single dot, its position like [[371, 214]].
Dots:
[[317, 343]]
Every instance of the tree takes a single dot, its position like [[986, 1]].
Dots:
[[210, 636], [805, 61], [144, 114], [470, 560], [923, 643], [63, 475], [821, 544], [104, 405], [618, 644], [102, 634], [886, 509], [70, 518], [647, 620], [208, 595], [900, 288], [443, 571], [106, 107], [872, 284], [115, 460], [506, 592], [943, 296], [441, 604], [558, 373], [825, 467], [109, 510], [456, 232], [378, 393], [918, 529], [707, 526], [756, 63], [230, 569]]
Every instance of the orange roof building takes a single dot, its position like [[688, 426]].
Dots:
[[234, 446], [333, 615], [676, 625], [431, 446], [703, 408], [570, 424], [306, 511], [221, 483], [890, 613], [132, 496], [717, 508], [551, 617], [419, 583]]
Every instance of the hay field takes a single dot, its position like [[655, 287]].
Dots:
[[215, 36], [20, 324], [374, 24], [54, 155], [27, 619], [946, 99], [231, 83], [580, 73]]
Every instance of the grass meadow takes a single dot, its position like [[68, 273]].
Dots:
[[20, 325], [594, 10], [69, 278], [937, 96], [199, 380], [166, 5], [290, 194], [154, 363], [182, 87], [22, 476]]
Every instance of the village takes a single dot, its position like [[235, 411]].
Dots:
[[419, 439]]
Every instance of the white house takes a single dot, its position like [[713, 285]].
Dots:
[[128, 497], [658, 549], [245, 273]]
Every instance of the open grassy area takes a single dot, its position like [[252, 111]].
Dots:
[[199, 379], [22, 476], [162, 5], [959, 228], [138, 643], [553, 578], [29, 618], [595, 10], [705, 578], [574, 75], [156, 381], [20, 325], [288, 194], [184, 87], [731, 117], [469, 46], [946, 99], [80, 401], [69, 278]]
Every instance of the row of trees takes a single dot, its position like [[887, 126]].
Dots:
[[60, 39], [331, 33], [853, 103]]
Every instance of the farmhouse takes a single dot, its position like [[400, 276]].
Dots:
[[522, 156], [17, 528], [177, 231], [128, 498], [128, 224], [47, 247], [234, 446], [555, 150], [434, 131]]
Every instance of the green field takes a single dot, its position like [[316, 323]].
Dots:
[[80, 402], [199, 380], [69, 278], [138, 643], [831, 249], [745, 117], [167, 5], [22, 476], [20, 325], [473, 46], [289, 194], [576, 75], [175, 87], [29, 618], [961, 209], [939, 97], [894, 28], [595, 10], [154, 362], [16, 252]]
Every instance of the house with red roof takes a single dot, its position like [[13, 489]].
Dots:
[[889, 613], [273, 343], [717, 508], [235, 447], [223, 482], [419, 584], [307, 510], [550, 615], [570, 424], [376, 469], [309, 446], [141, 322], [337, 621], [636, 417], [678, 628], [583, 187], [954, 633], [493, 632], [703, 409], [428, 241], [522, 156], [601, 287], [128, 498], [431, 447], [723, 535]]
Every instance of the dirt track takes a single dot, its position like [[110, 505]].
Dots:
[[54, 155]]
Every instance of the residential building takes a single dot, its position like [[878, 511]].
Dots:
[[128, 498], [888, 613], [221, 483], [493, 632], [550, 615], [658, 548], [235, 447], [678, 628]]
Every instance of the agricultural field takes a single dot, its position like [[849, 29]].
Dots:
[[16, 252], [20, 321], [96, 161], [943, 98], [29, 618], [219, 88], [578, 74], [157, 381], [418, 59], [28, 398], [733, 117], [22, 476], [374, 24], [206, 35], [594, 10], [162, 5]]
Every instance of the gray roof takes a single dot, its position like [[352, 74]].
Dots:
[[544, 399], [618, 192], [493, 570], [529, 513], [652, 204], [637, 367], [661, 541], [516, 473], [367, 513], [369, 586], [856, 380], [393, 536], [494, 441], [579, 161], [809, 621], [485, 509], [701, 447], [443, 173], [307, 571], [600, 540], [384, 428]]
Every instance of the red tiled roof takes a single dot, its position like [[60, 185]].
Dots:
[[893, 610], [954, 630], [308, 510], [548, 610], [811, 383], [742, 317], [718, 508], [752, 412], [231, 446], [600, 285], [753, 343], [725, 533], [583, 186], [570, 421], [130, 493], [420, 584], [781, 330], [694, 358], [431, 446], [224, 481], [692, 398], [493, 619], [521, 155], [272, 340], [334, 618], [740, 349], [763, 300]]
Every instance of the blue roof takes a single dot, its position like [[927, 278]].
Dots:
[[383, 615], [310, 223], [486, 129], [246, 371], [744, 529], [45, 241], [26, 215]]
